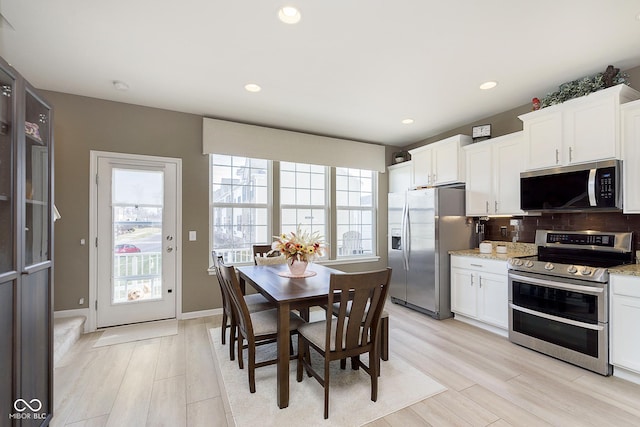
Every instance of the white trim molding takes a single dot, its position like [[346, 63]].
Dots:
[[91, 323], [78, 312], [201, 313]]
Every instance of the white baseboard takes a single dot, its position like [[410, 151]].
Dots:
[[625, 374], [73, 313], [496, 330], [201, 313]]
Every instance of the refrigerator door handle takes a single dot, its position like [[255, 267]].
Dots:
[[405, 212]]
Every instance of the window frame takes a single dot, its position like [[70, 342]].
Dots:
[[274, 219], [325, 207], [268, 206], [374, 220]]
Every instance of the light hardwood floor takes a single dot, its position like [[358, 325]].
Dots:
[[172, 381]]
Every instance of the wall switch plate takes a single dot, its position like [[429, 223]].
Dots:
[[192, 236], [81, 301]]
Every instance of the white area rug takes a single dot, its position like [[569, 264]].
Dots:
[[137, 332], [399, 386]]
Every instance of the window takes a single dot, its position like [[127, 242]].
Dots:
[[242, 193], [354, 212], [303, 197], [239, 206]]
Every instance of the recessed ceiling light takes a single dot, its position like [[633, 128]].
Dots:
[[289, 15], [407, 121], [488, 85], [252, 87], [120, 85]]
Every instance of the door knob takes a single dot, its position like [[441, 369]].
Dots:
[[169, 248]]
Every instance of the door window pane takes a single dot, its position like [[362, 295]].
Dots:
[[37, 208], [137, 207], [6, 172]]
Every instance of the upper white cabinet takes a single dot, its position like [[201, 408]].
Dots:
[[493, 176], [580, 130], [439, 163], [631, 156], [400, 177]]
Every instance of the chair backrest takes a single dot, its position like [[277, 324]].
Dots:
[[232, 286], [226, 299], [263, 251], [361, 299]]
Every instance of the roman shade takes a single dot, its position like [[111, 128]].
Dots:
[[238, 139]]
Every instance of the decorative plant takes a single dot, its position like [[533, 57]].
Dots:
[[584, 86], [301, 245]]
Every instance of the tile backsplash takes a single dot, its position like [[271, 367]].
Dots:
[[609, 221]]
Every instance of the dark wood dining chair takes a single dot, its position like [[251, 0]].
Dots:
[[264, 251], [256, 328], [342, 336], [255, 303], [383, 348]]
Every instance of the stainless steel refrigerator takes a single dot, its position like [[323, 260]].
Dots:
[[424, 225]]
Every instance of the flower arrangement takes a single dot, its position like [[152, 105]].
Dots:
[[299, 246], [584, 86]]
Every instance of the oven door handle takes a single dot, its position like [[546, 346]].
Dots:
[[556, 318], [558, 285]]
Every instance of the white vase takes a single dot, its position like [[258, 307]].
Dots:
[[297, 268]]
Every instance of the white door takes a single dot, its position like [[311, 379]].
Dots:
[[136, 262]]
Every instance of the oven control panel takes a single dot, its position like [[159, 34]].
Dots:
[[605, 240]]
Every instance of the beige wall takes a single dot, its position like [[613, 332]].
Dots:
[[82, 124]]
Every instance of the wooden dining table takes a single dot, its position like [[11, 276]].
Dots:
[[288, 294]]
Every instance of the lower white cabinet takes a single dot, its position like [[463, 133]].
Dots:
[[479, 290], [624, 318]]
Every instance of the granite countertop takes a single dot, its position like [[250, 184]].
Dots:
[[514, 250], [628, 270]]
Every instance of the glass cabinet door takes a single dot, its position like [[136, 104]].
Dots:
[[37, 208], [7, 144]]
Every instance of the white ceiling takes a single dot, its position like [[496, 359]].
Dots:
[[351, 68]]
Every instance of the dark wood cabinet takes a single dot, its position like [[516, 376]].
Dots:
[[26, 253]]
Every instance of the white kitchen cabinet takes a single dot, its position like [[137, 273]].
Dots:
[[493, 176], [400, 177], [479, 292], [439, 163], [631, 156], [464, 298], [580, 130], [624, 318]]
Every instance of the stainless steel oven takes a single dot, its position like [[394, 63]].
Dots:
[[559, 300]]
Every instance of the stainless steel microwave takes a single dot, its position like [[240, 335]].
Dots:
[[591, 186]]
